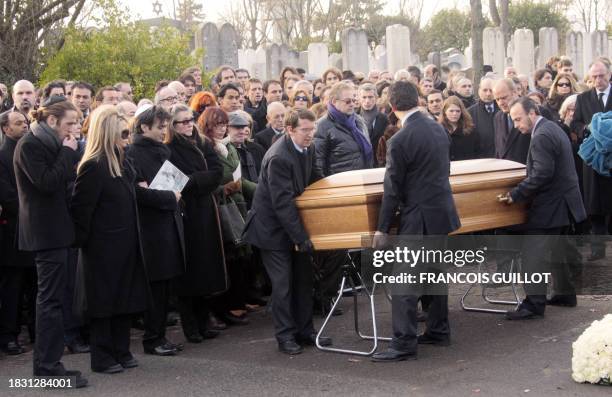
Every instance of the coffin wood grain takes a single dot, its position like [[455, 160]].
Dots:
[[339, 211]]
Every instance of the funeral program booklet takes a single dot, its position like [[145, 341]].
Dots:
[[169, 178]]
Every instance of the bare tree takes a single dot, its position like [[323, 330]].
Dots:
[[499, 14], [189, 12], [477, 27], [25, 26], [591, 15], [250, 20]]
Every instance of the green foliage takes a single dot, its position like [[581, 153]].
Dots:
[[447, 28], [121, 51], [531, 15]]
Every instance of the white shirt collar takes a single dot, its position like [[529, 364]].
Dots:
[[298, 148], [410, 113], [535, 125], [606, 92]]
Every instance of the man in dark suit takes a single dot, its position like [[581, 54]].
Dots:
[[376, 122], [273, 225], [510, 144], [45, 162], [597, 188], [15, 265], [483, 115], [416, 181], [551, 188], [276, 127]]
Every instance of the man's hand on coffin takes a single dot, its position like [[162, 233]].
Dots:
[[379, 240], [505, 198], [305, 247]]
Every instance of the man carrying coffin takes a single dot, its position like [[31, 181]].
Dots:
[[273, 224], [416, 181], [552, 189]]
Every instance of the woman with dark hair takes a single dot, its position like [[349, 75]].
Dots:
[[318, 86], [205, 274], [331, 76], [562, 87], [288, 71], [458, 123], [105, 218], [543, 79]]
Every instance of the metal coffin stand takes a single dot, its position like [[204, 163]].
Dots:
[[348, 271]]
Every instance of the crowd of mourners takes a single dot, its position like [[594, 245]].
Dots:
[[89, 250]]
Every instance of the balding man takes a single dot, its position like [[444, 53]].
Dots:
[[166, 97], [126, 109], [510, 72], [276, 125], [180, 89], [24, 97], [597, 187], [483, 113], [510, 144]]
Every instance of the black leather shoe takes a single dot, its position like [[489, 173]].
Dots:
[[179, 347], [131, 363], [78, 347], [563, 300], [596, 255], [113, 369], [290, 347], [230, 319], [311, 340], [210, 333], [216, 323], [391, 355], [194, 338], [13, 349], [522, 314], [162, 350], [79, 380], [425, 339]]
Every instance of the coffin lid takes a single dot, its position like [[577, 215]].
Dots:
[[376, 175]]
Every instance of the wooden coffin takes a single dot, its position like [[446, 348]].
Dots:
[[338, 211]]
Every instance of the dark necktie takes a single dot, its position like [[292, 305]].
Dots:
[[601, 102], [510, 123]]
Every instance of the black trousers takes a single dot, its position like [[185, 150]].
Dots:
[[291, 276], [599, 227], [12, 290], [194, 314], [536, 255], [110, 341], [72, 324], [235, 297], [328, 272], [155, 316], [49, 345]]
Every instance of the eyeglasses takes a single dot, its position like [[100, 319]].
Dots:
[[348, 101], [170, 99], [564, 85], [301, 98], [184, 122], [125, 134]]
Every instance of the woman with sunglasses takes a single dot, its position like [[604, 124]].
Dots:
[[299, 100], [205, 274], [105, 216], [562, 87]]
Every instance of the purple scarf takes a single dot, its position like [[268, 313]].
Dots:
[[350, 123]]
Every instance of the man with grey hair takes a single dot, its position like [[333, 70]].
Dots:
[[510, 144], [276, 125], [166, 97], [180, 91], [24, 97], [375, 121], [125, 89], [483, 113], [126, 109]]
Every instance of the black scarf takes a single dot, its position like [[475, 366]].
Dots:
[[189, 157], [47, 136], [161, 151]]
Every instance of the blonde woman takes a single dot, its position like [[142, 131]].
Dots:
[[106, 227]]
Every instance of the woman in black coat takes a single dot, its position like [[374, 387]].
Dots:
[[206, 273], [458, 123], [105, 216], [161, 226]]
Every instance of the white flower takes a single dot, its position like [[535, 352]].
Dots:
[[592, 353]]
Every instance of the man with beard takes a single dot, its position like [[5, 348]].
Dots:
[[24, 97]]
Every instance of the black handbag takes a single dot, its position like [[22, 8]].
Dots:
[[232, 222]]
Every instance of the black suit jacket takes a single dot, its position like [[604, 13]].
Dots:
[[416, 180], [484, 128], [376, 131], [258, 114], [273, 222], [509, 144], [265, 137], [597, 188], [42, 175], [551, 184]]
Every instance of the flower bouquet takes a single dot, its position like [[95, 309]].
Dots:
[[592, 353]]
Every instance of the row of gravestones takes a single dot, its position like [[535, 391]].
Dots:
[[266, 62]]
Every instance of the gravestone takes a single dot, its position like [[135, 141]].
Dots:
[[524, 52], [456, 61], [210, 43], [548, 40], [318, 58], [303, 61], [260, 69], [228, 45], [398, 47], [493, 52], [574, 49], [355, 50], [335, 60], [434, 58], [293, 59], [595, 46], [273, 61], [381, 59]]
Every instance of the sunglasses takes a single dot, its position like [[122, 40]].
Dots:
[[348, 101], [184, 122], [564, 85], [125, 134], [301, 98]]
